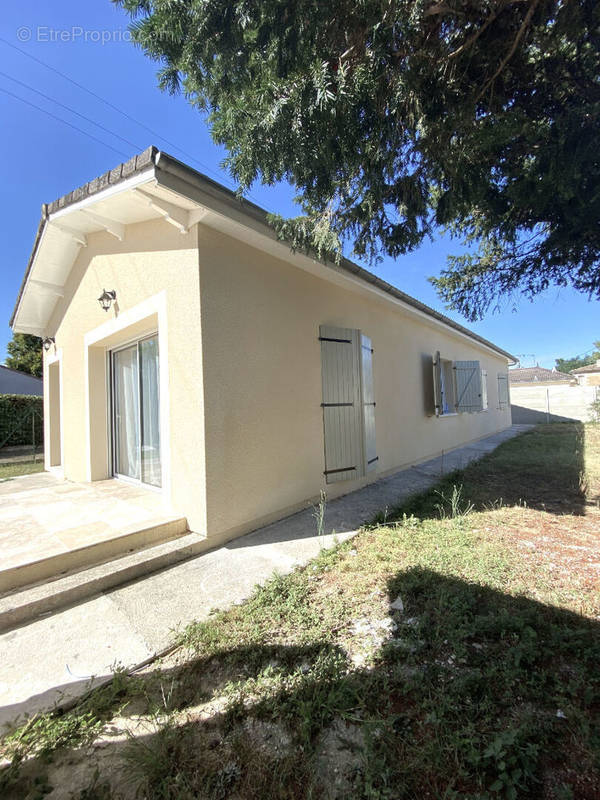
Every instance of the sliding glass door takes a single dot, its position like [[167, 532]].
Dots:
[[136, 411]]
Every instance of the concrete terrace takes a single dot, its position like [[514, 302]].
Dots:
[[49, 526]]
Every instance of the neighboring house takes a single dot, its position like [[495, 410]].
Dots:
[[588, 376], [12, 381], [537, 374], [235, 376], [547, 395]]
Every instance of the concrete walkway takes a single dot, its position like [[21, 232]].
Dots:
[[54, 659]]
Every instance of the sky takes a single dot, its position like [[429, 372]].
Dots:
[[44, 158]]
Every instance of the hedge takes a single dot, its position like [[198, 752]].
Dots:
[[16, 412]]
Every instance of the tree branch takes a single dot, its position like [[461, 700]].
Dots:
[[511, 52]]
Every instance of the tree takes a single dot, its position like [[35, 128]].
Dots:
[[25, 354], [394, 117], [567, 364]]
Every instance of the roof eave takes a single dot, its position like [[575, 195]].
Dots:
[[228, 201]]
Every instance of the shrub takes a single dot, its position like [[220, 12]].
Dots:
[[21, 420]]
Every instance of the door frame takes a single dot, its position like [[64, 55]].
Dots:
[[54, 360], [128, 326]]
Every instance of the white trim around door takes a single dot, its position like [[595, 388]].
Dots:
[[131, 325]]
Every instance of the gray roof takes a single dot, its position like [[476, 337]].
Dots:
[[151, 156], [13, 381], [534, 374], [588, 368]]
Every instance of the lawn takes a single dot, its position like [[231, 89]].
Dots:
[[450, 650], [16, 468]]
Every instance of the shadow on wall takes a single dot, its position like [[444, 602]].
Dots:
[[529, 416], [440, 700]]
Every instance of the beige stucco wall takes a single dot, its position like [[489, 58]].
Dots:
[[154, 258], [244, 372], [262, 383]]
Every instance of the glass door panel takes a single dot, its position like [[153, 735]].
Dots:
[[150, 416], [136, 412], [126, 412]]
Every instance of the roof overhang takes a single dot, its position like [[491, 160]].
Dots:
[[154, 185]]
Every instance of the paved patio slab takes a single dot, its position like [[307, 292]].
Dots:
[[43, 516], [54, 659]]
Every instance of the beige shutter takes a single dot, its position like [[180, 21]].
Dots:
[[368, 403], [468, 386], [503, 397], [342, 412], [437, 383]]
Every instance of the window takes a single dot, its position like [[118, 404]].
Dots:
[[457, 386], [447, 392]]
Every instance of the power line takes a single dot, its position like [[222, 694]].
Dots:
[[64, 121], [111, 105], [72, 110]]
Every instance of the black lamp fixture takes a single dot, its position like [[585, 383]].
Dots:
[[106, 298], [48, 342]]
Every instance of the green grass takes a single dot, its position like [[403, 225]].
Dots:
[[13, 470], [486, 685]]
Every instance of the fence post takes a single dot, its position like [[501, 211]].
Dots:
[[33, 435]]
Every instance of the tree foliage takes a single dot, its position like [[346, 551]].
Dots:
[[394, 117], [25, 354], [567, 364]]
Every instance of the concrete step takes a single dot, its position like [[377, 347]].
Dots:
[[128, 539], [30, 602]]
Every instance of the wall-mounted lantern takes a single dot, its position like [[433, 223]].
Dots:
[[106, 298], [48, 342]]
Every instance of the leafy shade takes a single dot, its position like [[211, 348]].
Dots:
[[25, 354], [567, 364], [394, 117]]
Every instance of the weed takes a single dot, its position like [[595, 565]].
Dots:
[[319, 514], [453, 506]]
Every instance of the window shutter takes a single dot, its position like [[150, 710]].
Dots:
[[342, 412], [468, 386], [368, 403], [437, 383], [503, 396]]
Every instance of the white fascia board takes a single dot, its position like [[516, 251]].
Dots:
[[129, 183], [136, 180], [17, 328]]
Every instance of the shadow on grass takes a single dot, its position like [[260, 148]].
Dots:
[[472, 693], [542, 469]]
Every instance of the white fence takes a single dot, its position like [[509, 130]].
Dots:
[[555, 403]]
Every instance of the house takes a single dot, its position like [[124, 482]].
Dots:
[[13, 381], [537, 374], [191, 351], [588, 375]]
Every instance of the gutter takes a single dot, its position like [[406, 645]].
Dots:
[[172, 166], [214, 194]]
